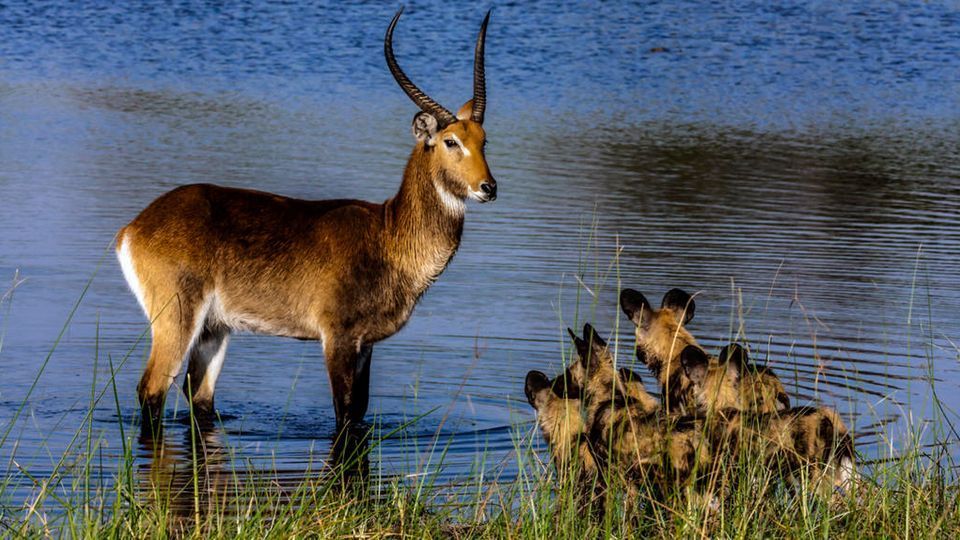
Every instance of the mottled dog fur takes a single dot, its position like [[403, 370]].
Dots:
[[755, 420], [559, 408], [730, 381], [631, 437]]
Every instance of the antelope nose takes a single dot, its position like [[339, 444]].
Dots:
[[489, 189]]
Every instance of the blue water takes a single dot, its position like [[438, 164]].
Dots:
[[798, 165]]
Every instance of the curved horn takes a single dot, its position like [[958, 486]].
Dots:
[[443, 116], [479, 80]]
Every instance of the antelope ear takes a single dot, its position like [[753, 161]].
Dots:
[[425, 128], [636, 307], [694, 362], [534, 386], [737, 355], [681, 303], [466, 112]]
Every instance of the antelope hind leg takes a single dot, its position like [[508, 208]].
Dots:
[[206, 360]]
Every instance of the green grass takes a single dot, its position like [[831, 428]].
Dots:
[[912, 495], [96, 490]]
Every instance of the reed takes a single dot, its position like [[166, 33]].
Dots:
[[103, 489]]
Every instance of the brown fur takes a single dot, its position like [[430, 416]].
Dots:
[[561, 423], [661, 337], [631, 437], [731, 382], [760, 390], [813, 440], [209, 260]]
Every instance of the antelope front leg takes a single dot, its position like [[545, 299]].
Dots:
[[348, 365]]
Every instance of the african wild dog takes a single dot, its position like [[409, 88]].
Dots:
[[632, 438], [559, 409], [732, 382], [661, 336], [789, 440], [561, 422]]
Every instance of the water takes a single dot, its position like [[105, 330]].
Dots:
[[797, 165]]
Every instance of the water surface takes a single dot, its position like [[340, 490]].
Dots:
[[798, 166]]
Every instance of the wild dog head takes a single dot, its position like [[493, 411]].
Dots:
[[601, 380], [715, 383], [661, 337], [759, 387], [560, 420], [730, 381]]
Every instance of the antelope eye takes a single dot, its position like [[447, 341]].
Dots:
[[450, 143]]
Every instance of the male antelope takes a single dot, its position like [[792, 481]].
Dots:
[[205, 260]]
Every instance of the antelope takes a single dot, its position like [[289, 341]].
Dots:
[[205, 260]]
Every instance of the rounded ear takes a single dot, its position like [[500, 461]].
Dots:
[[565, 386], [681, 303], [425, 128], [635, 306], [737, 355], [466, 112], [536, 382], [694, 362]]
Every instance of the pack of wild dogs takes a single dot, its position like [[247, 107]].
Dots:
[[715, 414], [205, 261]]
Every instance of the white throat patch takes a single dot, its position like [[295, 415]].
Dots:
[[451, 202]]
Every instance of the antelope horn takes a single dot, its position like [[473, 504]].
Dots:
[[479, 80], [443, 116]]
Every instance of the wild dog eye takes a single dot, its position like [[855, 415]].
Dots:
[[450, 143]]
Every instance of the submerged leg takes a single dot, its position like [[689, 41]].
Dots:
[[348, 365], [206, 360], [174, 330]]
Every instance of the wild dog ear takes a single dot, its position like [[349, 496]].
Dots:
[[591, 336], [636, 307], [425, 128], [583, 348], [565, 386], [694, 362], [681, 303], [736, 355], [533, 387], [598, 346], [628, 375]]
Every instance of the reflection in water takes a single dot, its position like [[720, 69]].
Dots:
[[194, 473]]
